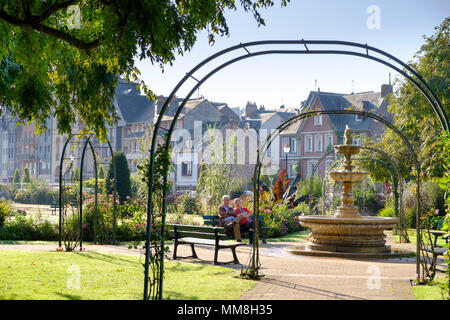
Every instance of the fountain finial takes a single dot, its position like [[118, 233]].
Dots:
[[348, 135]]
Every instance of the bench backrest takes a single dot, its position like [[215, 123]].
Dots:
[[214, 220], [181, 231]]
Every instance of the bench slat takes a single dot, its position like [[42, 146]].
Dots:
[[189, 240], [193, 234], [182, 227]]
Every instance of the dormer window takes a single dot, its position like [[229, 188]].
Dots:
[[318, 120]]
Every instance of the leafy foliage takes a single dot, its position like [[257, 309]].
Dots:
[[61, 62], [6, 209], [444, 184], [414, 116]]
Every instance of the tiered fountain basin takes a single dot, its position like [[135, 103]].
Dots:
[[361, 236], [347, 233]]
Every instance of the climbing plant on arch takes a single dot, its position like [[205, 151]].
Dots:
[[369, 52]]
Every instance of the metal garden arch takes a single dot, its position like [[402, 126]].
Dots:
[[75, 139], [419, 83]]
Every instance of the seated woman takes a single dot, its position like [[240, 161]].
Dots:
[[227, 218], [244, 217]]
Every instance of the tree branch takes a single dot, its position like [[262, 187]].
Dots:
[[70, 39], [53, 9]]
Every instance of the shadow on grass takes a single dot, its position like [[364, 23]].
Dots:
[[106, 258], [173, 295], [68, 296]]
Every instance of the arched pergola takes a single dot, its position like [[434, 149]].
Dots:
[[385, 59], [85, 141]]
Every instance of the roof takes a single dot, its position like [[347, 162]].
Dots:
[[366, 101], [228, 112], [292, 129], [132, 106]]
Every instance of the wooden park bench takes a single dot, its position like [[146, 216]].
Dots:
[[211, 236], [438, 251], [54, 207], [214, 221]]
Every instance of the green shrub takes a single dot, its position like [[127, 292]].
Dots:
[[29, 228], [16, 178], [365, 198], [277, 216], [387, 212], [186, 204], [6, 209], [130, 219], [26, 176], [123, 182], [37, 193], [432, 196], [410, 217]]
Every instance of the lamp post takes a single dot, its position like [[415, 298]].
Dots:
[[287, 149]]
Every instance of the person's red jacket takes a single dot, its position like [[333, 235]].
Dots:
[[245, 218]]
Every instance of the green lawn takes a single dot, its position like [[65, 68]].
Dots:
[[291, 237], [412, 234], [431, 291], [44, 275]]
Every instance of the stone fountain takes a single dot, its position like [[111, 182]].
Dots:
[[347, 233]]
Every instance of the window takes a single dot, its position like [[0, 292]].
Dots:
[[358, 117], [290, 170], [328, 140], [308, 143], [187, 143], [311, 165], [318, 120], [319, 143], [293, 145], [186, 168]]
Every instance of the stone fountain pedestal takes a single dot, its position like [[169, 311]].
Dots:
[[347, 233]]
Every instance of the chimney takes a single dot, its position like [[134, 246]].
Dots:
[[250, 109], [386, 89]]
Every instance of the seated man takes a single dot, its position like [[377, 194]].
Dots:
[[227, 217], [243, 216]]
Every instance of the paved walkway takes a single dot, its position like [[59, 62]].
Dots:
[[288, 276]]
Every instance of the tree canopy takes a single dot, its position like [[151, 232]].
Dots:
[[61, 58], [414, 116]]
